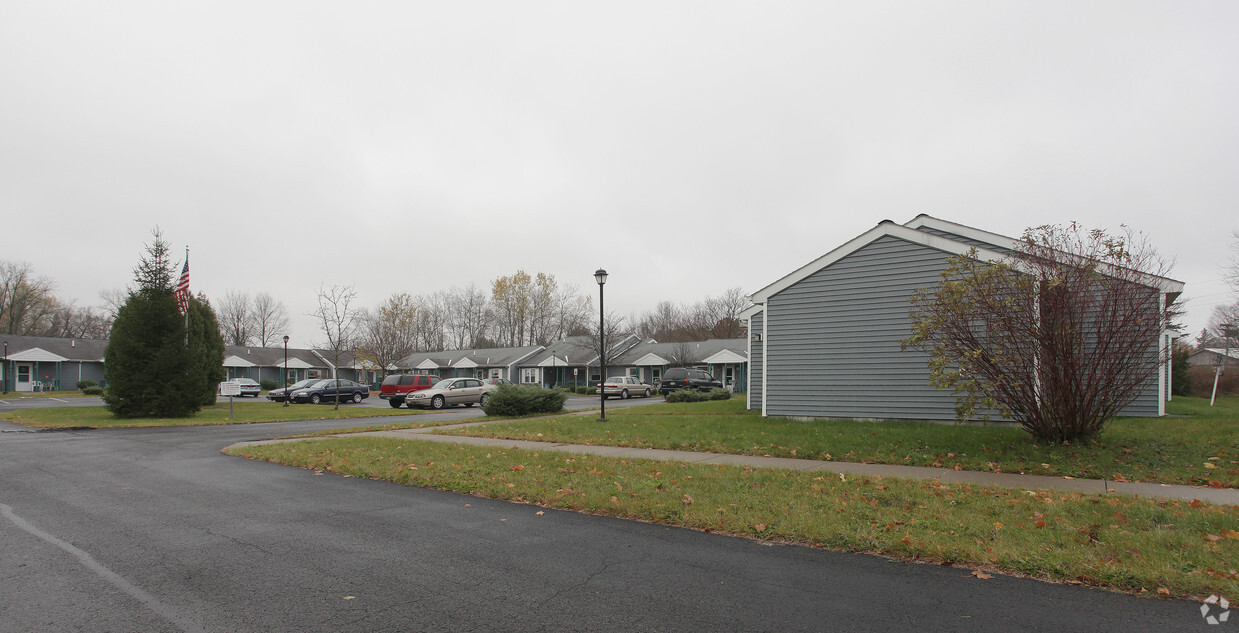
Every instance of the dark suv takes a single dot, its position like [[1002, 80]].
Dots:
[[396, 386], [678, 378]]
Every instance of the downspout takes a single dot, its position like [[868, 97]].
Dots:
[[765, 355]]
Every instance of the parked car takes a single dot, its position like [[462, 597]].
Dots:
[[397, 387], [249, 386], [452, 391], [497, 381], [325, 390], [678, 378], [624, 387], [277, 395]]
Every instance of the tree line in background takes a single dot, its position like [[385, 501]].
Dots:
[[29, 307], [520, 310]]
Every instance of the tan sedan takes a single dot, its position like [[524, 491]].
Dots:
[[625, 387], [452, 391]]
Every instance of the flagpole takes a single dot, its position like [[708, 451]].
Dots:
[[187, 303]]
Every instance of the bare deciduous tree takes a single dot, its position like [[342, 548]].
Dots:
[[389, 333], [270, 319], [469, 316], [1059, 336], [337, 319], [236, 318], [26, 300]]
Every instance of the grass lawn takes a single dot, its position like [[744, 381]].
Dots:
[[245, 413], [1138, 545], [1195, 445]]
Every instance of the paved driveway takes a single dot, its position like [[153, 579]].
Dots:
[[156, 530]]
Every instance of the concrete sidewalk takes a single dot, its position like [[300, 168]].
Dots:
[[1220, 496]]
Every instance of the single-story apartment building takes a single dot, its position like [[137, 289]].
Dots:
[[824, 340]]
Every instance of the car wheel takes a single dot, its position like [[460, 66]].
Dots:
[[315, 399], [624, 395], [482, 400], [395, 404], [647, 393], [437, 402], [356, 398]]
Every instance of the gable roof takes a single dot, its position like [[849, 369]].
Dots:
[[926, 230], [883, 229], [715, 350], [469, 358], [55, 349]]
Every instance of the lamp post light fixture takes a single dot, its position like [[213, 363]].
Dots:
[[285, 370], [600, 276]]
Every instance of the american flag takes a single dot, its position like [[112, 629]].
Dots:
[[182, 289]]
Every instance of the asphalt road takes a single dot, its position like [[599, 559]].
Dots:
[[155, 530]]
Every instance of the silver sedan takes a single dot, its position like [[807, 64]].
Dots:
[[452, 391]]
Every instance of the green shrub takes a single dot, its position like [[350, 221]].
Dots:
[[585, 391], [92, 391], [719, 394], [268, 385], [518, 400], [687, 395], [85, 384]]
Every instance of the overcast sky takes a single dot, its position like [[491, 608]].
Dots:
[[686, 147]]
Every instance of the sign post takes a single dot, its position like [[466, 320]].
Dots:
[[230, 388]]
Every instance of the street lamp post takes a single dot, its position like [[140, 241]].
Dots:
[[6, 367], [600, 276], [285, 378]]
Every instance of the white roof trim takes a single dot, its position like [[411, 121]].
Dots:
[[1165, 284], [37, 354], [427, 364], [963, 231], [748, 312], [553, 361], [725, 356], [466, 363], [296, 363], [237, 361], [651, 359], [886, 228]]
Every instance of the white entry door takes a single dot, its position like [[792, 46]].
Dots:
[[25, 377]]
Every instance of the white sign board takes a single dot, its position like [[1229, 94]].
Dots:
[[230, 388]]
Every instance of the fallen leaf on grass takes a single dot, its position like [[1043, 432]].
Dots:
[[1164, 591], [1230, 534], [982, 575]]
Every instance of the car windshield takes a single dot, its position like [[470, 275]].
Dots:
[[614, 380], [302, 383]]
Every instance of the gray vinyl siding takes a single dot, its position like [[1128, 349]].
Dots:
[[833, 338], [756, 361], [1146, 404]]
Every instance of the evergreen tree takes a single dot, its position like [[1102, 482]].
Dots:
[[206, 348], [153, 368]]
